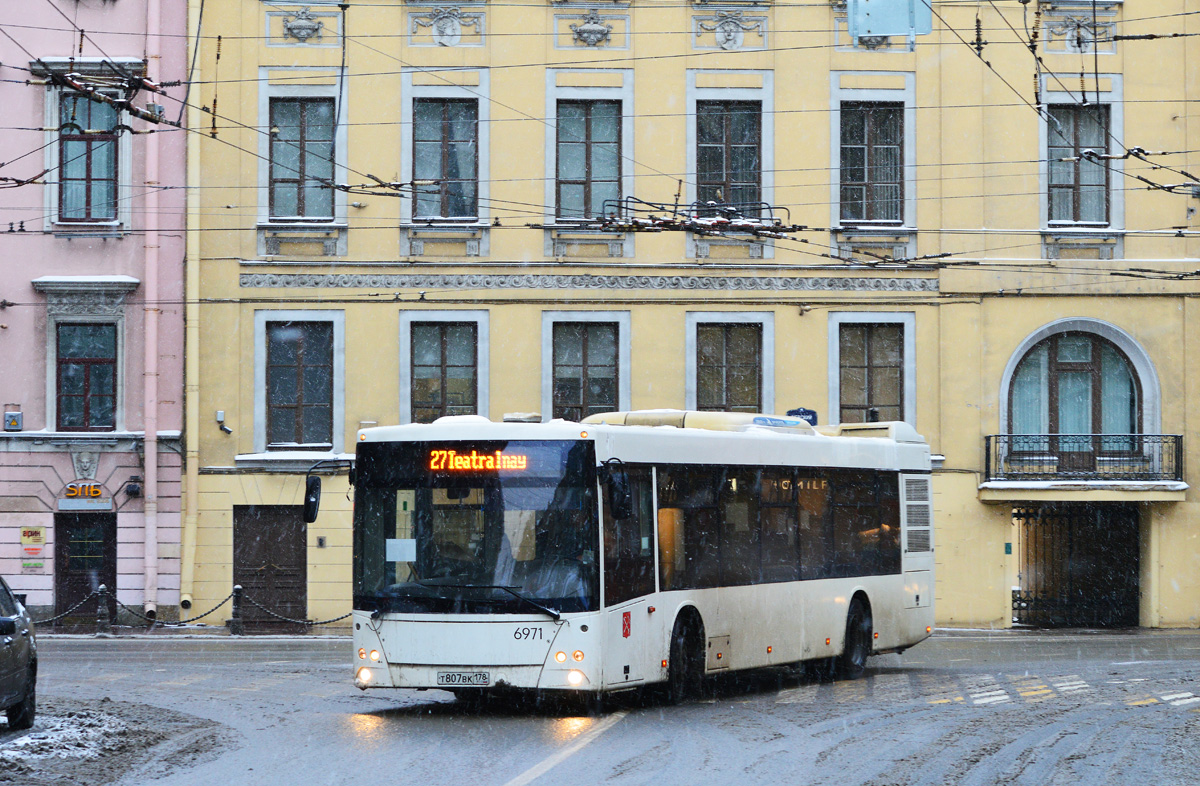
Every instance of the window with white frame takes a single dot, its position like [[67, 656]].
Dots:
[[443, 364], [299, 378], [87, 159], [585, 363], [1079, 181], [445, 158], [731, 134], [86, 383], [85, 351], [588, 153], [303, 148], [875, 154], [872, 162], [444, 146], [302, 159], [88, 145], [1078, 131], [730, 361], [872, 368], [299, 385], [444, 370]]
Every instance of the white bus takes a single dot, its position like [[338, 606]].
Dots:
[[634, 548]]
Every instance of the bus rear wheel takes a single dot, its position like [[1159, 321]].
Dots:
[[853, 660], [685, 669]]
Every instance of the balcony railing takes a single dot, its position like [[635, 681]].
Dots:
[[1084, 457]]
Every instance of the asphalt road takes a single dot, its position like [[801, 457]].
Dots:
[[962, 708]]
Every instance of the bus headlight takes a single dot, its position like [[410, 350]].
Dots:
[[363, 678], [561, 657], [575, 678], [362, 654], [578, 656], [375, 655]]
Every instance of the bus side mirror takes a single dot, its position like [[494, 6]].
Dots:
[[312, 498], [620, 498]]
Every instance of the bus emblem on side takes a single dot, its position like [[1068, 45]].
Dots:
[[625, 625]]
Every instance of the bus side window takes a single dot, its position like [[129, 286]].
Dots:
[[780, 526], [741, 557], [690, 496], [812, 493], [628, 550]]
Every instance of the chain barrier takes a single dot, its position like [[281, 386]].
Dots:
[[202, 616], [263, 608], [236, 596], [68, 611]]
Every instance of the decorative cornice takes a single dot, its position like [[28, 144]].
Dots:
[[536, 281]]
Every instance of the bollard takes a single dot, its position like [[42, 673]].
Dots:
[[103, 623], [235, 624]]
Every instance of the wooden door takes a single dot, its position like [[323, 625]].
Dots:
[[270, 562], [85, 556]]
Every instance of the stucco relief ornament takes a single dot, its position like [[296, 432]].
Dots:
[[593, 31], [731, 29], [1079, 33], [446, 25], [86, 462], [302, 26]]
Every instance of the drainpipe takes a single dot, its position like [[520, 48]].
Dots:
[[191, 351], [151, 311]]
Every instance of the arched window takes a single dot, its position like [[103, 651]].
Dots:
[[1073, 389]]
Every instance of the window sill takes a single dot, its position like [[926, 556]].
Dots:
[[57, 439], [290, 238], [1075, 241], [468, 238], [89, 229], [286, 460], [876, 242]]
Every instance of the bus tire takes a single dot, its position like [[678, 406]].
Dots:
[[853, 660], [685, 669]]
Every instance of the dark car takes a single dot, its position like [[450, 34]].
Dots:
[[18, 661]]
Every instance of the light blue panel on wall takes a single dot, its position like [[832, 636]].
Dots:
[[889, 17]]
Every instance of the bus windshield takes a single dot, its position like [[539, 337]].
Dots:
[[476, 528]]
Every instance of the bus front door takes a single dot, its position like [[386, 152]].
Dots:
[[626, 631]]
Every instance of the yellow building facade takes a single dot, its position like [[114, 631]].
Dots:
[[398, 210]]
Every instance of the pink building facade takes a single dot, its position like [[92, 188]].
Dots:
[[92, 176]]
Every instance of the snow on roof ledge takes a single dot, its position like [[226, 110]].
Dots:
[[1085, 485], [58, 284]]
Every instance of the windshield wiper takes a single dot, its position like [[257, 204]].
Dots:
[[510, 590]]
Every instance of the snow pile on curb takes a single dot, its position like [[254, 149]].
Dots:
[[73, 735]]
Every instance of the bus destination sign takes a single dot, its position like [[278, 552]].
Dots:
[[453, 461]]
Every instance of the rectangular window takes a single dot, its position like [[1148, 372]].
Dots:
[[445, 149], [444, 373], [1079, 187], [302, 158], [87, 376], [585, 369], [589, 157], [299, 385], [729, 153], [87, 159], [872, 162], [871, 360], [729, 367]]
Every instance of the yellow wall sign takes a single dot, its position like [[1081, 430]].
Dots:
[[33, 549]]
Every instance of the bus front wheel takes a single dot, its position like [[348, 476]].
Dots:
[[853, 660], [685, 670]]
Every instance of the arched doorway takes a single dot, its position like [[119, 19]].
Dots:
[[1080, 403]]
